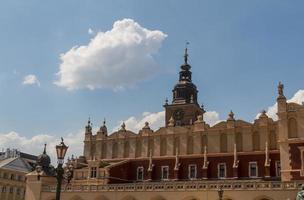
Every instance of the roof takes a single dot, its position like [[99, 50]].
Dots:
[[28, 156], [15, 164]]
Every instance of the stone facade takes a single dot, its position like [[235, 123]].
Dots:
[[14, 165], [264, 158]]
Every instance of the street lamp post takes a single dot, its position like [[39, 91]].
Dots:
[[220, 192], [61, 150]]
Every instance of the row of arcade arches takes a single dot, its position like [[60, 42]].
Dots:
[[130, 197]]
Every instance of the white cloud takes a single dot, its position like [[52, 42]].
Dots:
[[298, 98], [157, 120], [90, 31], [212, 117], [31, 79], [34, 145], [115, 59]]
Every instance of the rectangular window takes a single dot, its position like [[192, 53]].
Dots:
[[11, 190], [278, 168], [165, 172], [140, 173], [221, 170], [93, 172], [253, 169], [192, 171]]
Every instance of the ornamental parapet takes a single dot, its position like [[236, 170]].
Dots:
[[181, 186]]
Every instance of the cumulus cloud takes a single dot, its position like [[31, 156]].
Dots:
[[212, 117], [114, 59], [298, 98], [157, 119], [31, 79], [90, 31], [34, 145]]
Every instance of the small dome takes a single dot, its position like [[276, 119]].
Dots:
[[44, 160]]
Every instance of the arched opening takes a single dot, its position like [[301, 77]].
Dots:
[[104, 150], [223, 142], [101, 198], [190, 198], [126, 149], [150, 147], [256, 141], [292, 128], [263, 198], [76, 198], [239, 141], [272, 140], [158, 197], [163, 146], [129, 197], [138, 148], [190, 145], [176, 145], [50, 198], [204, 142], [114, 150]]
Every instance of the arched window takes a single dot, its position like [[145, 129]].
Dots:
[[190, 145], [223, 142], [292, 128], [239, 141], [114, 150], [163, 146], [272, 140], [126, 149], [256, 141], [138, 148]]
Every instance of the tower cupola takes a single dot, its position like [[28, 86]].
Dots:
[[185, 91], [184, 108]]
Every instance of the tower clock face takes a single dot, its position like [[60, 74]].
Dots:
[[178, 114]]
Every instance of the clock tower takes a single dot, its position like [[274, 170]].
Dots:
[[184, 108]]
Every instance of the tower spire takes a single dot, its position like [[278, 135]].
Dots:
[[186, 53], [44, 150]]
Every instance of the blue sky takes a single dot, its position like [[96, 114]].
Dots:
[[239, 50]]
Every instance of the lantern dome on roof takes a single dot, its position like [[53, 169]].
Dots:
[[44, 160]]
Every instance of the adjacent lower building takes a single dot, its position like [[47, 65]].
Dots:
[[188, 158], [14, 165]]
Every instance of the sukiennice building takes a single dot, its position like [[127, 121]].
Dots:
[[187, 159]]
